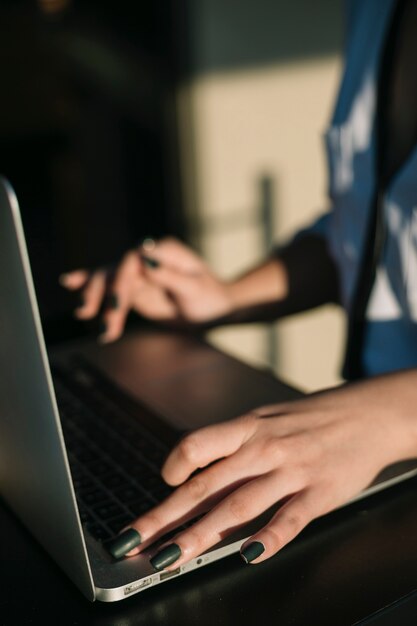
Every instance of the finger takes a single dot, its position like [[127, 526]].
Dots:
[[93, 294], [126, 280], [284, 526], [74, 280], [188, 502], [232, 513], [153, 302], [206, 445]]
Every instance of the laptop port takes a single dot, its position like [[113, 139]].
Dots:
[[166, 575], [137, 585]]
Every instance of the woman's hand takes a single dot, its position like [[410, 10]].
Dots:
[[162, 281], [311, 456], [166, 281]]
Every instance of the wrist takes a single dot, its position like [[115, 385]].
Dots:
[[263, 285]]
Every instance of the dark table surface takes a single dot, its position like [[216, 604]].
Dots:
[[355, 565]]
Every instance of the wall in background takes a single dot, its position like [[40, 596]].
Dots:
[[253, 110]]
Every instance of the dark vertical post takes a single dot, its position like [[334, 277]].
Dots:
[[268, 216]]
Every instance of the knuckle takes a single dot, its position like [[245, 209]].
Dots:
[[153, 521], [195, 541], [274, 538], [239, 509], [274, 448], [189, 449], [249, 421], [294, 522], [197, 488]]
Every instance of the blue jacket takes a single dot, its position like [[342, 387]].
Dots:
[[390, 340]]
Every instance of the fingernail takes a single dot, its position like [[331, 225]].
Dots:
[[81, 301], [102, 328], [113, 301], [124, 543], [166, 556], [252, 551], [150, 262]]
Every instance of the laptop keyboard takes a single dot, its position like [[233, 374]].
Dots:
[[115, 461]]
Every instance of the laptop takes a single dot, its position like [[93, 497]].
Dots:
[[84, 428]]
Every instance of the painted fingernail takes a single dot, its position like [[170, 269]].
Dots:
[[166, 556], [124, 543], [150, 262], [81, 301], [113, 301], [252, 551], [102, 327]]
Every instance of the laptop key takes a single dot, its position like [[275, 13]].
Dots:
[[91, 498], [129, 493], [114, 481], [141, 506], [98, 532], [120, 522], [115, 461], [108, 510]]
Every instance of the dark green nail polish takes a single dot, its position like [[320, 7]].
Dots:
[[102, 327], [113, 301], [125, 542], [81, 300], [150, 262], [166, 556], [252, 551]]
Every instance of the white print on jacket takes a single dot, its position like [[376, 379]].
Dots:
[[394, 294], [353, 136]]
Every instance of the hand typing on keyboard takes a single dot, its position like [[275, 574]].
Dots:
[[164, 281], [311, 455]]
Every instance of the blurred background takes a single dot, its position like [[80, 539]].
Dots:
[[198, 118]]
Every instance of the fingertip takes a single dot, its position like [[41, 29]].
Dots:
[[172, 471], [81, 313], [113, 324], [125, 544], [252, 551], [73, 280], [105, 338]]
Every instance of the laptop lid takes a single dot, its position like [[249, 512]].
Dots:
[[35, 478]]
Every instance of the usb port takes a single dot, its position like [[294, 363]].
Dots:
[[166, 575]]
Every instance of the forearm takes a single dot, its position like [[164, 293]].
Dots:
[[298, 277], [263, 284], [389, 401]]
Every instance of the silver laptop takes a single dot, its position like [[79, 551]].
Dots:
[[84, 428]]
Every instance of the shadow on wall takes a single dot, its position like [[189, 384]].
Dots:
[[247, 33]]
